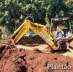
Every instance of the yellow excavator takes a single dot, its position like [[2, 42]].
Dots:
[[43, 31], [38, 29]]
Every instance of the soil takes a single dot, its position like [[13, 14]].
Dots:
[[20, 60]]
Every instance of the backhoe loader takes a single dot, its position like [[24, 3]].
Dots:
[[41, 30]]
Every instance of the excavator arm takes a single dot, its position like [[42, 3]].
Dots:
[[21, 31], [39, 29], [44, 33]]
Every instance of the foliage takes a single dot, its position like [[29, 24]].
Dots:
[[13, 12]]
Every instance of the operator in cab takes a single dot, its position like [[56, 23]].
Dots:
[[62, 35]]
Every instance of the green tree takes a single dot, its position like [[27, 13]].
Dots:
[[13, 12]]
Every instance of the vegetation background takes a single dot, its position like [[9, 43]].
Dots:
[[13, 12]]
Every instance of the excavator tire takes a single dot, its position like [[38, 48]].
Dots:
[[62, 45]]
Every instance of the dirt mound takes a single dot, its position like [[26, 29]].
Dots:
[[19, 60]]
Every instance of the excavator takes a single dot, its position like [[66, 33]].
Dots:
[[43, 31]]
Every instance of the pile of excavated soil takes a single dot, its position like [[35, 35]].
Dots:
[[19, 60]]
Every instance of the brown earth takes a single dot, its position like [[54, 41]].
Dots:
[[20, 60]]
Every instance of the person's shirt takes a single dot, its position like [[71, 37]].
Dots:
[[59, 33]]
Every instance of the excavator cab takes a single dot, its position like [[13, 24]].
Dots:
[[60, 31]]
